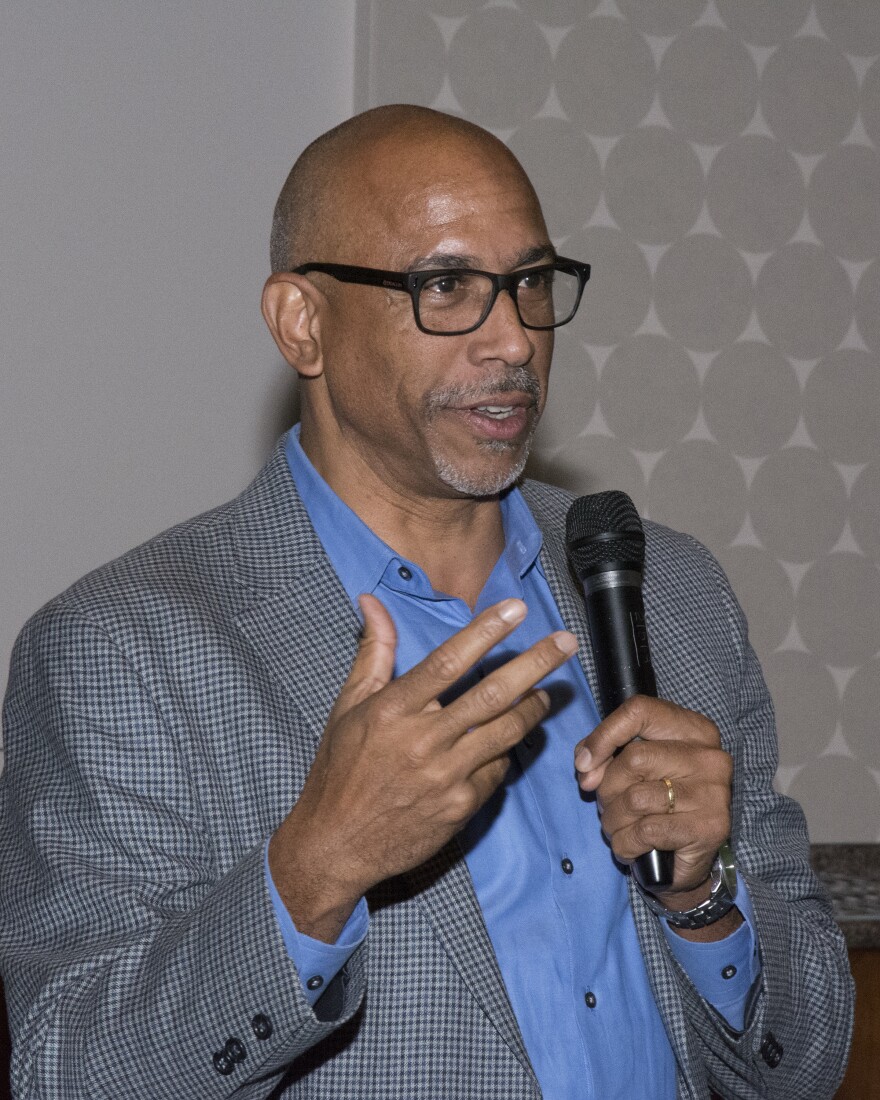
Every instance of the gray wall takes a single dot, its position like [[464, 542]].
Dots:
[[143, 147], [717, 162]]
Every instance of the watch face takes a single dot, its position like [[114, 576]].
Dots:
[[726, 863]]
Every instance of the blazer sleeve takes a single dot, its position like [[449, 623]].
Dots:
[[130, 958], [799, 1022]]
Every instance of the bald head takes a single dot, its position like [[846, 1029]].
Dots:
[[334, 186]]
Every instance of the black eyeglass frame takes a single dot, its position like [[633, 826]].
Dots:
[[411, 282]]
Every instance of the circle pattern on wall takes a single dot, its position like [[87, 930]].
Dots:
[[718, 163]]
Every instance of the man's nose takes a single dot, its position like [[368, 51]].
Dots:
[[503, 333]]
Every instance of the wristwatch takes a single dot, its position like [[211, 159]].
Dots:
[[719, 902]]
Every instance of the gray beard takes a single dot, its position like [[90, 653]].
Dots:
[[485, 486], [518, 380]]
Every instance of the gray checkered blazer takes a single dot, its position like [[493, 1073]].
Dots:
[[161, 719]]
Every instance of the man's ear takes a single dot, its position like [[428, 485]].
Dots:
[[291, 308]]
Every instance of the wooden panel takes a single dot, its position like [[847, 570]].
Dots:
[[4, 1049], [862, 1081]]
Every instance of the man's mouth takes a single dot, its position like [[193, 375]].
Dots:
[[498, 398]]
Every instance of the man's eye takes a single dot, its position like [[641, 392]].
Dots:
[[536, 280], [452, 283]]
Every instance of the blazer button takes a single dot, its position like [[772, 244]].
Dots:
[[235, 1049], [261, 1026], [223, 1063], [771, 1050]]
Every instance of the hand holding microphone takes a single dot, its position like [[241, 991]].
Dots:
[[662, 779]]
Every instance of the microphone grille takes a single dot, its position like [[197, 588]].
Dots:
[[604, 529]]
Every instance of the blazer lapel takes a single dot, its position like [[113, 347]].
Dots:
[[444, 890], [307, 636], [570, 601], [291, 607], [566, 590]]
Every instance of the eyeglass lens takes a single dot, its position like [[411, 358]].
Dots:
[[458, 299]]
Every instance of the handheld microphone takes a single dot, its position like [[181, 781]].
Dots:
[[606, 548]]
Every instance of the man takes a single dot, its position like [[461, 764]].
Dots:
[[308, 797]]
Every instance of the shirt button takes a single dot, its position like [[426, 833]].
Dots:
[[567, 866], [223, 1063], [404, 573], [315, 982], [728, 972], [590, 1000], [235, 1049], [261, 1026]]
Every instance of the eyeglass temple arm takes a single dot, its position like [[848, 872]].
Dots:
[[368, 276]]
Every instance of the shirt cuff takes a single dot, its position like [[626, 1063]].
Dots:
[[317, 963], [723, 971]]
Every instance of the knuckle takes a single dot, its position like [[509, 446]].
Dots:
[[385, 709], [639, 756], [517, 723], [637, 799], [707, 729], [416, 753], [490, 694], [633, 708], [648, 832], [445, 665], [462, 803], [722, 827]]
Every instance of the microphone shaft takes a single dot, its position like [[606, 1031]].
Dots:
[[616, 615], [616, 619]]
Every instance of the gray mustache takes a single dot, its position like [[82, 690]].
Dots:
[[518, 380]]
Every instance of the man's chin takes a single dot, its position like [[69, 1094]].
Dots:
[[484, 480]]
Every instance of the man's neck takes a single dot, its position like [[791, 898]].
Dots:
[[455, 539], [457, 548]]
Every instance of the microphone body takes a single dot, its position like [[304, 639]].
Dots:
[[606, 547]]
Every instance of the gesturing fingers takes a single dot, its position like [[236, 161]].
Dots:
[[500, 690], [420, 687], [446, 664], [494, 739], [482, 757]]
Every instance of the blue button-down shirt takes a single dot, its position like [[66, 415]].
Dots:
[[554, 900]]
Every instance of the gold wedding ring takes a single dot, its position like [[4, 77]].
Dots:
[[670, 794]]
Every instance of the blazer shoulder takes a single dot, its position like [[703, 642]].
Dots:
[[550, 504], [201, 563], [678, 567]]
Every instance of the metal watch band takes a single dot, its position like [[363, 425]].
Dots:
[[720, 901]]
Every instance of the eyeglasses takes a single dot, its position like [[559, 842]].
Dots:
[[454, 301]]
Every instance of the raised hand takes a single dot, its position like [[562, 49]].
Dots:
[[396, 774]]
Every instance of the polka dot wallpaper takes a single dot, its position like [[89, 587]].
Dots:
[[717, 163]]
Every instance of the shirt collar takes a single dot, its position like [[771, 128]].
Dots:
[[361, 559]]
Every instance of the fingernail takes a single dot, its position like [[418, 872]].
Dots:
[[566, 642], [583, 759], [512, 611], [543, 696]]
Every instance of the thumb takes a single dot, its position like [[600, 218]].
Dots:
[[374, 664]]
